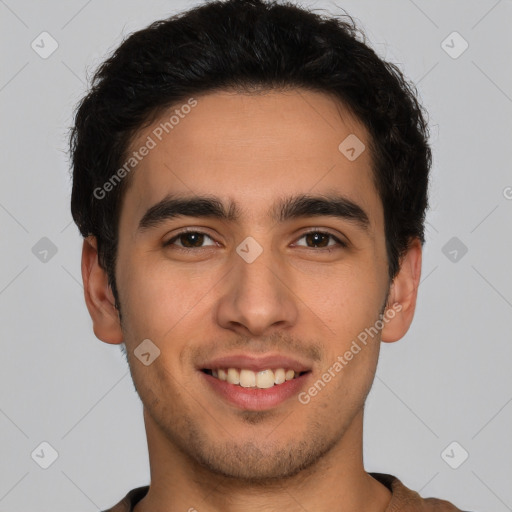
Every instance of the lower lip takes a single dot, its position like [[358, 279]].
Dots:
[[256, 399]]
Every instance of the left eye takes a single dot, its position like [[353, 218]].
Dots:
[[196, 239], [321, 238]]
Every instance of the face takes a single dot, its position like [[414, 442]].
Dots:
[[252, 279]]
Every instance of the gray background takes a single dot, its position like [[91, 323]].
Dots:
[[448, 380]]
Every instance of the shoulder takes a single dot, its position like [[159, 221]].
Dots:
[[130, 500], [404, 499]]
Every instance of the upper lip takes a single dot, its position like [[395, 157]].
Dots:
[[256, 363]]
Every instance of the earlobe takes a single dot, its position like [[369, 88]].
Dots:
[[98, 295], [403, 294]]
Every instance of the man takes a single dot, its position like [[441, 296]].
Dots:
[[251, 183]]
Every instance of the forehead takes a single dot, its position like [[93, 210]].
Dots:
[[251, 149]]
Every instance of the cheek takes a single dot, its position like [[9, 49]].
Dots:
[[157, 297], [346, 297], [348, 300]]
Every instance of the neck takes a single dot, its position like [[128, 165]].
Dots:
[[337, 482]]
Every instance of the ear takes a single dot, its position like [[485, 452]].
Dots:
[[403, 293], [98, 295]]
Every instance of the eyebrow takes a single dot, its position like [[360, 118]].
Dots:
[[293, 207]]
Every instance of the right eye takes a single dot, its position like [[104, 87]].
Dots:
[[189, 240]]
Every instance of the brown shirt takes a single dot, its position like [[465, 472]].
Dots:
[[403, 499]]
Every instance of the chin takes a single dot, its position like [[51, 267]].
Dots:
[[256, 462]]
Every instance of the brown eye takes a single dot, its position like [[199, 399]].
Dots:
[[320, 239], [189, 240]]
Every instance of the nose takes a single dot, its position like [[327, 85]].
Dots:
[[258, 297]]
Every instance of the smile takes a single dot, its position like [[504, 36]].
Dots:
[[247, 378]]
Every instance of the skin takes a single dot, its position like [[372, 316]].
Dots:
[[296, 299]]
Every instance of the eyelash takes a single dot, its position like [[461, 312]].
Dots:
[[171, 241]]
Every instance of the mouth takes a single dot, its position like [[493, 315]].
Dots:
[[255, 383], [246, 378]]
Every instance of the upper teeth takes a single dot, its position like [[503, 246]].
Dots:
[[249, 379]]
